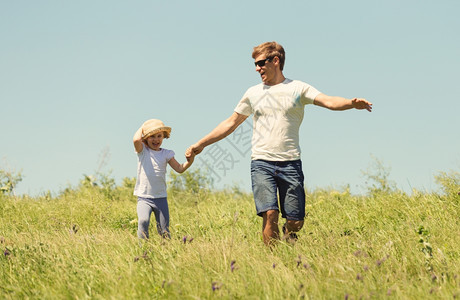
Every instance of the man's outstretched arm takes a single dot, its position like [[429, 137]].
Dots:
[[218, 133], [340, 103]]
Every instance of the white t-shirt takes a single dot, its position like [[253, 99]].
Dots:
[[151, 172], [278, 112]]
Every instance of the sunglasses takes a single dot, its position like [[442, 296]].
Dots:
[[262, 62]]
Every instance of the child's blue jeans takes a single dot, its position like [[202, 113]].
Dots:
[[145, 207]]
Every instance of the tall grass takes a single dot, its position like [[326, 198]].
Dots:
[[82, 244]]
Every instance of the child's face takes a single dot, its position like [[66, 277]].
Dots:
[[154, 141]]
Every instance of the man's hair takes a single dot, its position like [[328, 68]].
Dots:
[[270, 49]]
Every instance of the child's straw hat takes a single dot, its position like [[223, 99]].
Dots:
[[150, 127]]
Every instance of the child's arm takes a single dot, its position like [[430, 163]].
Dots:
[[180, 168], [137, 140]]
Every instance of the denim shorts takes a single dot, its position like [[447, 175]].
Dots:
[[284, 177]]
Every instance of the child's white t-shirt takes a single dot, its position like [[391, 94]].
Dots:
[[151, 172], [278, 111]]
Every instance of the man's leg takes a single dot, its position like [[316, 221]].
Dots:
[[270, 229], [292, 198], [290, 229], [265, 197]]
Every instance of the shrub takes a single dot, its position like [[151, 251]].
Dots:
[[8, 181], [450, 182], [377, 178], [192, 181]]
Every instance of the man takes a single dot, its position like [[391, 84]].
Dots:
[[277, 105]]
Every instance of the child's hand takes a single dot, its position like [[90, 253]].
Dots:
[[191, 157]]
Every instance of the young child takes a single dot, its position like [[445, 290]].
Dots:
[[151, 176]]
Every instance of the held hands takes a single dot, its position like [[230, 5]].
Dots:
[[190, 158], [193, 150], [360, 103]]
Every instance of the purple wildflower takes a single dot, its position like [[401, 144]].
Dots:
[[215, 286], [359, 277], [299, 260], [359, 253], [186, 239], [274, 265], [6, 252], [381, 261], [232, 265]]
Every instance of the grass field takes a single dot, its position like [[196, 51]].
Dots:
[[82, 244]]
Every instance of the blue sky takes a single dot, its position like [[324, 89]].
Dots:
[[78, 78]]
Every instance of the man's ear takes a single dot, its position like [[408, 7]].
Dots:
[[276, 60]]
